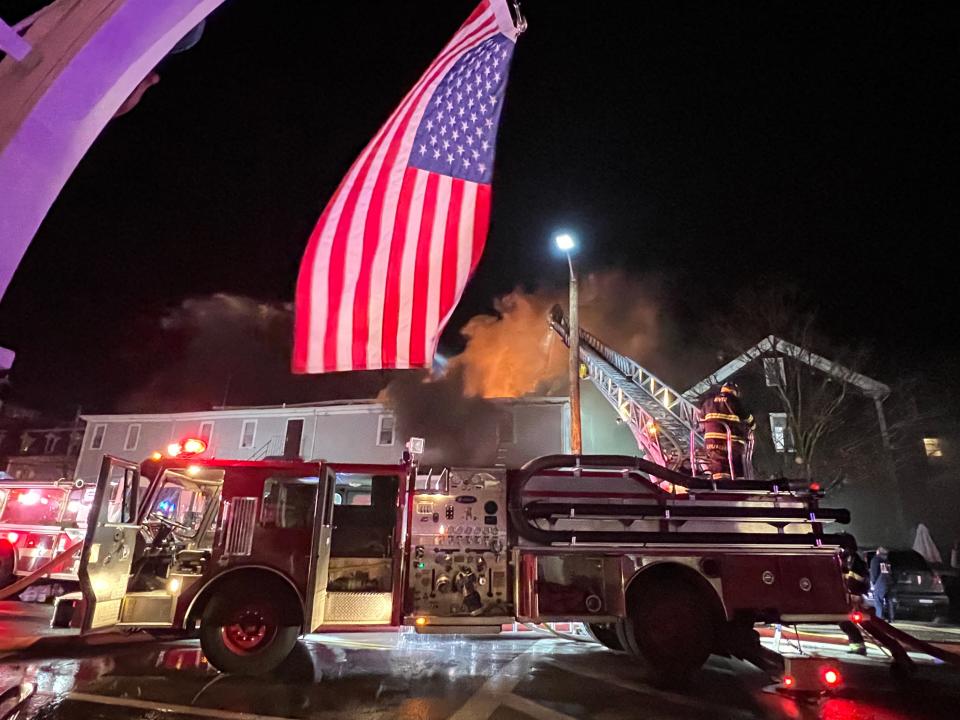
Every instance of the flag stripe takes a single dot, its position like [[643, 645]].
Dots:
[[481, 224], [432, 309], [408, 268], [418, 314], [448, 271], [391, 294]]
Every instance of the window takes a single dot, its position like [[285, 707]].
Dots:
[[288, 502], [248, 433], [34, 506], [385, 430], [933, 447], [506, 432], [185, 500], [206, 431], [133, 437], [773, 372], [781, 433], [96, 438]]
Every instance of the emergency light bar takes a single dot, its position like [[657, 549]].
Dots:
[[187, 447]]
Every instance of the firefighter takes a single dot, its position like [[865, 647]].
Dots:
[[855, 576], [882, 581], [719, 411]]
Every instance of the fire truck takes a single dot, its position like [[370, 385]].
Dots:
[[662, 566], [38, 521]]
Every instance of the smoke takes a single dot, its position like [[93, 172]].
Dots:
[[225, 349], [458, 428], [515, 352]]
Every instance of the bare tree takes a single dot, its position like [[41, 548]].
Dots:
[[814, 392]]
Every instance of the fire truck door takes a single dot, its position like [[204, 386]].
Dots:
[[109, 545], [318, 575]]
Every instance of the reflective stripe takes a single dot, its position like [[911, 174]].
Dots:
[[723, 436], [721, 416]]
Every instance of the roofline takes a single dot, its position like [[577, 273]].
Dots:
[[333, 407], [870, 387]]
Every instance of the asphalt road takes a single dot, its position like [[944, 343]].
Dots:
[[390, 675]]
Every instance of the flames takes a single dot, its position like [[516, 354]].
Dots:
[[515, 353]]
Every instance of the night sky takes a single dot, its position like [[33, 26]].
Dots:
[[717, 145]]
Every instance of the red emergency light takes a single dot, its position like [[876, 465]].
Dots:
[[856, 617], [28, 498], [186, 448], [13, 537], [831, 677], [809, 676]]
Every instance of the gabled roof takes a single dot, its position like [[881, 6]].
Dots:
[[772, 344]]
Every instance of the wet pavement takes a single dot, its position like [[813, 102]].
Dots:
[[391, 675]]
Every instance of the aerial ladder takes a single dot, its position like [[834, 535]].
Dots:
[[665, 423]]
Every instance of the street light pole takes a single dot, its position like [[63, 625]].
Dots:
[[566, 243], [576, 437]]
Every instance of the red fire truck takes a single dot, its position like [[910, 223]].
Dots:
[[39, 520], [251, 555]]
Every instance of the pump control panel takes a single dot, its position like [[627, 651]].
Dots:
[[458, 550]]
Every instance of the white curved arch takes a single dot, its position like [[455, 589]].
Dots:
[[86, 57]]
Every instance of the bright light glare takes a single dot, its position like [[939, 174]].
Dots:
[[28, 498], [194, 446], [193, 469], [174, 449], [565, 242], [831, 677]]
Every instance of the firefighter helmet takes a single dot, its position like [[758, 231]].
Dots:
[[731, 388]]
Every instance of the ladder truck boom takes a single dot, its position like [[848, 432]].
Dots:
[[664, 422]]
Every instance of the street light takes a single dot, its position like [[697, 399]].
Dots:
[[566, 243]]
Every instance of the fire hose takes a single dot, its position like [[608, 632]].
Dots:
[[45, 569]]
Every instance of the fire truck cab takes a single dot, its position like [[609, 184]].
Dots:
[[253, 554]]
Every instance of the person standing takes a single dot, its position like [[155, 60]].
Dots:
[[855, 577], [722, 411], [881, 578]]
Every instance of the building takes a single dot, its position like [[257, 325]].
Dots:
[[45, 454], [506, 431]]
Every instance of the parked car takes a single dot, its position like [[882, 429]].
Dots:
[[917, 590]]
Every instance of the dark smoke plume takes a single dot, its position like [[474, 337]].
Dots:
[[457, 428], [227, 349]]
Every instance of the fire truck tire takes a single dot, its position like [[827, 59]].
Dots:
[[7, 563], [241, 634], [605, 634], [670, 627]]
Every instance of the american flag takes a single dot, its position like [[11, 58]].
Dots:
[[392, 252]]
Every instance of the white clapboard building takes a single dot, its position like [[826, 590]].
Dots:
[[345, 431]]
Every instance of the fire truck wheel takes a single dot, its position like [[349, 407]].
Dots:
[[670, 627], [7, 562], [606, 635], [240, 634]]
